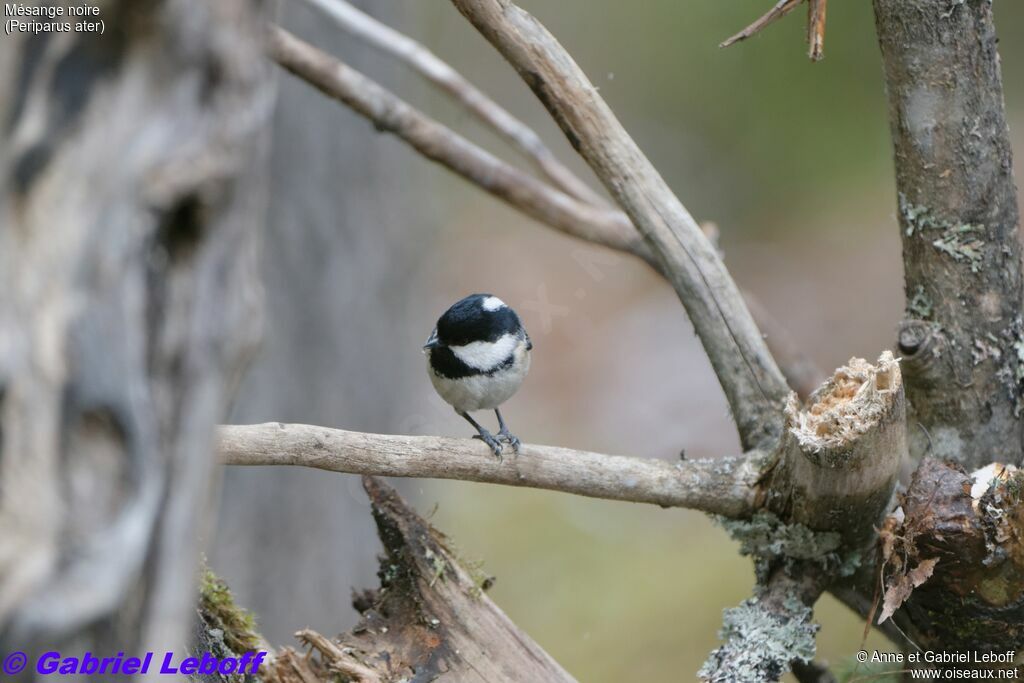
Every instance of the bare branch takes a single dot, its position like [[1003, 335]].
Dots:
[[779, 10], [815, 25], [725, 487], [816, 12], [752, 382], [441, 144], [608, 227], [441, 74]]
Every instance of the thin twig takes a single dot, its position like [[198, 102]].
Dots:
[[726, 486], [816, 28], [441, 74], [781, 9], [439, 143]]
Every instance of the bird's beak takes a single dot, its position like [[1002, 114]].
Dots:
[[431, 344]]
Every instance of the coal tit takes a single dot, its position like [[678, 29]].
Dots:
[[477, 356]]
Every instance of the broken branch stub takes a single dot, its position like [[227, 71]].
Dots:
[[841, 454], [429, 619]]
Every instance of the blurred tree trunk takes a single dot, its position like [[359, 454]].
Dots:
[[129, 209], [345, 223]]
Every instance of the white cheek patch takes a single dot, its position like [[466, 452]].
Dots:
[[484, 355], [492, 303]]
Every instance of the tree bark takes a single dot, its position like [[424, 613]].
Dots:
[[131, 185], [962, 335]]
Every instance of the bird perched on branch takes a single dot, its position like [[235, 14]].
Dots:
[[477, 356]]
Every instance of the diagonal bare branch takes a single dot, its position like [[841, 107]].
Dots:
[[608, 227], [779, 10], [441, 144], [441, 74], [753, 384], [816, 10], [723, 486]]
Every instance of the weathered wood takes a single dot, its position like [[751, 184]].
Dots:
[[724, 486], [962, 335], [131, 184], [429, 619]]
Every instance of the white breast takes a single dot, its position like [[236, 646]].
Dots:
[[485, 392]]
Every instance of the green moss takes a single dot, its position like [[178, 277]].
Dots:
[[760, 644], [220, 613]]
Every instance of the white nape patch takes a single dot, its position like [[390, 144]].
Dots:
[[492, 303], [484, 355]]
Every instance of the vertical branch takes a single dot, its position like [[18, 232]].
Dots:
[[962, 334]]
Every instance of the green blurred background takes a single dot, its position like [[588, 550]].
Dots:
[[791, 160]]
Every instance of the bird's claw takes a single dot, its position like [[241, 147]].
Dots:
[[488, 439], [511, 439]]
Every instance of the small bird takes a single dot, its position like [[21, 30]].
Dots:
[[477, 356]]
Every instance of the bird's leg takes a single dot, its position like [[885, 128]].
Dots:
[[505, 435], [483, 435]]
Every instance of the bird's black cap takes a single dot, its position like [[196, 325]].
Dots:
[[477, 317]]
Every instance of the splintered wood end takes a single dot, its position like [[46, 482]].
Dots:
[[848, 405]]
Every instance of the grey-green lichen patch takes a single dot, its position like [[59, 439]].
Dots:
[[986, 347], [1011, 373], [920, 305], [767, 538], [960, 241], [916, 218], [760, 644]]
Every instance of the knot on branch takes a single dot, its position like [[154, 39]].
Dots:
[[953, 557]]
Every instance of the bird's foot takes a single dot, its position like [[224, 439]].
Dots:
[[509, 438], [489, 439]]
